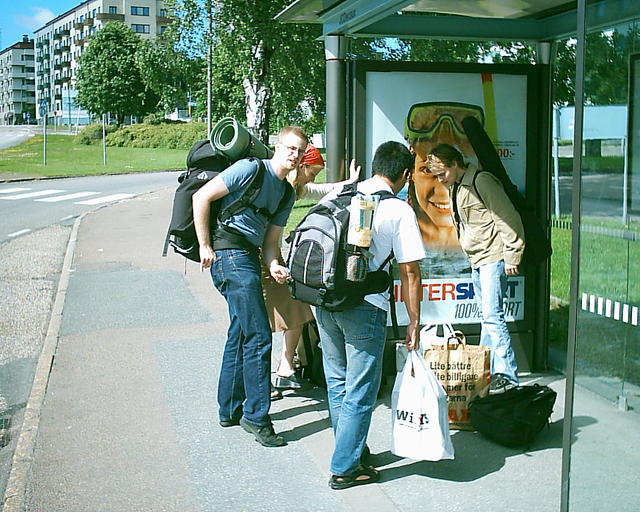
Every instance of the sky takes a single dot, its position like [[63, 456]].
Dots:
[[18, 17]]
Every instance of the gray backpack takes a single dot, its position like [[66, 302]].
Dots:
[[318, 257]]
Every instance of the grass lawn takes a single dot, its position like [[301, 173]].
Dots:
[[65, 158], [609, 268]]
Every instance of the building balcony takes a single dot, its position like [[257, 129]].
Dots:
[[105, 16], [79, 41], [61, 34], [43, 42], [88, 22], [163, 20], [61, 49], [78, 25]]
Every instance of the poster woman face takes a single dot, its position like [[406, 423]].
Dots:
[[430, 195], [427, 125]]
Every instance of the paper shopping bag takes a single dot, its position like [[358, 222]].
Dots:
[[419, 426], [464, 372]]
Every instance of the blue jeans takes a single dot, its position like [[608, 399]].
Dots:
[[244, 385], [352, 346], [490, 286]]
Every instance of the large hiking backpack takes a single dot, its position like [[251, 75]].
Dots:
[[514, 417], [203, 164], [537, 246], [318, 255]]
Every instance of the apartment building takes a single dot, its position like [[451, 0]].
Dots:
[[17, 87], [60, 43]]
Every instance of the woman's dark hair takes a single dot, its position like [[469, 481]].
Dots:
[[391, 159], [448, 155]]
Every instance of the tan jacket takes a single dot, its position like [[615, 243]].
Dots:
[[489, 230]]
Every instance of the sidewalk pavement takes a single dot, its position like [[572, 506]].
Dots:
[[129, 419]]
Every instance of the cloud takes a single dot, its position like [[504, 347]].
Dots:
[[40, 17]]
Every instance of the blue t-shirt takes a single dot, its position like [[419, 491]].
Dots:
[[251, 224]]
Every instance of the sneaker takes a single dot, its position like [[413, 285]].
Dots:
[[265, 434], [500, 383]]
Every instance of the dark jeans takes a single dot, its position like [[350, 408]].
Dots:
[[244, 386]]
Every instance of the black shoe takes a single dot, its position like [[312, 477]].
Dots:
[[229, 423], [263, 434], [292, 382], [500, 383]]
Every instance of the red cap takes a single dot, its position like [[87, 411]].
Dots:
[[311, 156]]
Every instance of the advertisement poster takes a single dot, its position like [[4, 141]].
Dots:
[[426, 109]]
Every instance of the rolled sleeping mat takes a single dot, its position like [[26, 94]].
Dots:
[[234, 140]]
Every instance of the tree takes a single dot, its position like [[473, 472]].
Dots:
[[166, 71], [109, 80], [606, 67], [279, 67], [265, 74]]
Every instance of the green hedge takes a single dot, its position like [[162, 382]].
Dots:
[[152, 134], [158, 135], [92, 134], [593, 164]]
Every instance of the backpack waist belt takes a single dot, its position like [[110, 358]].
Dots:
[[229, 238]]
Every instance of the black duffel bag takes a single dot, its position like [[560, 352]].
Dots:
[[514, 417]]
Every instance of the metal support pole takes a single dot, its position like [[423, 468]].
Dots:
[[104, 140], [625, 184], [69, 106], [556, 161], [209, 37], [576, 215], [336, 107], [44, 137]]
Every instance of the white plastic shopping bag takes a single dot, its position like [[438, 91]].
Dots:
[[429, 336], [420, 423]]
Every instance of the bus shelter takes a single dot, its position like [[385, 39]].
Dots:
[[598, 230]]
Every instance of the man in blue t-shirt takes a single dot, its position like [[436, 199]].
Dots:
[[244, 386]]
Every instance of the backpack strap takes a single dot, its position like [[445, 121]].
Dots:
[[392, 302], [251, 192], [248, 195], [475, 187], [165, 246]]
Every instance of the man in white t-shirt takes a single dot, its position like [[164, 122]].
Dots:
[[353, 340]]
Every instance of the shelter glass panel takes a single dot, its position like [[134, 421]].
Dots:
[[604, 461]]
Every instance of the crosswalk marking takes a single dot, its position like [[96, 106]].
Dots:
[[105, 199], [65, 197], [18, 233], [32, 194], [12, 190]]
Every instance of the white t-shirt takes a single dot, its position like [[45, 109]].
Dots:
[[394, 229]]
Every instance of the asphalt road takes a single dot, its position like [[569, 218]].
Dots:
[[14, 135], [26, 206]]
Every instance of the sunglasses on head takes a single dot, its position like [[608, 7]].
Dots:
[[424, 119]]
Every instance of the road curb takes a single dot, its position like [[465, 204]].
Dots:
[[40, 178], [14, 495]]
